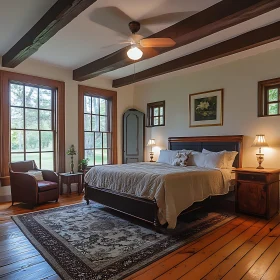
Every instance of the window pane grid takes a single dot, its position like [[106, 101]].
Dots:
[[38, 103], [156, 114], [96, 140]]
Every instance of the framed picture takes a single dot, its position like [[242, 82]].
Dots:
[[206, 108]]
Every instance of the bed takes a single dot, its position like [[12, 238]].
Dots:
[[147, 203]]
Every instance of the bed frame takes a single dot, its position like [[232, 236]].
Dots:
[[147, 210]]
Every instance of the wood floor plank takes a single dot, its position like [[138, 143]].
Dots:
[[273, 271], [264, 262], [37, 271], [163, 265], [17, 250], [53, 277], [21, 256], [218, 272], [249, 259], [13, 246], [208, 264], [187, 265], [22, 264]]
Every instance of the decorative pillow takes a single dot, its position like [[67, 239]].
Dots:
[[37, 174], [181, 159], [167, 156], [229, 157]]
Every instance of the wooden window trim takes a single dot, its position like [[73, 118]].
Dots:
[[5, 78], [102, 93], [263, 87], [150, 113]]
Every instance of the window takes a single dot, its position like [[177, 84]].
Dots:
[[269, 98], [156, 114], [97, 123], [32, 118], [32, 124]]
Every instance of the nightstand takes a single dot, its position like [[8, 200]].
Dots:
[[257, 191], [68, 179]]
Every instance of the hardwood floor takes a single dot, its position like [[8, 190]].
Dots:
[[244, 248]]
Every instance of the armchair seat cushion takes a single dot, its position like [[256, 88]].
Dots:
[[46, 186]]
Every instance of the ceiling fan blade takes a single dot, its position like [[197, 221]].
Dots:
[[168, 18], [157, 43], [112, 18]]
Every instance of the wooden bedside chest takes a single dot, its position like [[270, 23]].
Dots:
[[257, 191]]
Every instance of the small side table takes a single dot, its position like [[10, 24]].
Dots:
[[257, 191], [68, 179]]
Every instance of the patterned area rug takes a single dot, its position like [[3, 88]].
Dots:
[[93, 242]]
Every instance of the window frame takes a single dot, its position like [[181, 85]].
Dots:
[[38, 109], [263, 88], [150, 113], [5, 79], [109, 95]]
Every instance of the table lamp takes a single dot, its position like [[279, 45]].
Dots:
[[260, 143], [151, 143]]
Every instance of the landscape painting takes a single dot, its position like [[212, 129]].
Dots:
[[206, 108]]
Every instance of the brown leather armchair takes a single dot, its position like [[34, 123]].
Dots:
[[25, 188]]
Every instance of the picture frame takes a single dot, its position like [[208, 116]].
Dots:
[[206, 108]]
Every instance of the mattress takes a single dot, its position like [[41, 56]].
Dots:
[[174, 188]]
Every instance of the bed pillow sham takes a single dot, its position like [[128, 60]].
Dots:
[[167, 156], [208, 160], [229, 157]]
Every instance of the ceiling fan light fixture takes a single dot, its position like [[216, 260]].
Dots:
[[134, 53]]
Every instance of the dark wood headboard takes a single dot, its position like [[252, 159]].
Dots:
[[211, 143]]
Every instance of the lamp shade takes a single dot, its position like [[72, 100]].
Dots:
[[260, 141], [151, 142]]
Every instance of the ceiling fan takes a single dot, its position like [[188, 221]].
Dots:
[[137, 40], [116, 20]]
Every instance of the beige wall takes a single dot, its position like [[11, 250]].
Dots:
[[125, 100], [239, 80]]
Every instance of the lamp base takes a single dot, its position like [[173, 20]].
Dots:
[[260, 167], [260, 159], [151, 157]]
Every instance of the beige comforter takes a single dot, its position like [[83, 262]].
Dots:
[[174, 188]]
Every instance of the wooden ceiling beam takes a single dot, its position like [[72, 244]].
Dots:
[[57, 17], [220, 16], [240, 43]]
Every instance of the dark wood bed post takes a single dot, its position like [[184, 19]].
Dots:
[[156, 223], [85, 197]]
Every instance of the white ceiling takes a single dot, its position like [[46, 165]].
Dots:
[[83, 41]]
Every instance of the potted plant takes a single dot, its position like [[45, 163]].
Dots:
[[83, 163], [71, 152]]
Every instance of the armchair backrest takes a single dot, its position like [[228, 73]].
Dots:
[[23, 166]]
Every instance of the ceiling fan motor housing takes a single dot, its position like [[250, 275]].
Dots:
[[134, 26]]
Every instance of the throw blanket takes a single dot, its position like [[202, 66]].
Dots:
[[174, 188]]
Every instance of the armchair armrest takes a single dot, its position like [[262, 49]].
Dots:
[[25, 186], [49, 175]]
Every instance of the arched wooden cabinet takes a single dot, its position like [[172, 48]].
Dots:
[[133, 136]]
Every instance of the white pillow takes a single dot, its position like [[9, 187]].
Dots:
[[208, 160], [37, 174], [181, 158], [167, 156], [191, 159], [229, 157]]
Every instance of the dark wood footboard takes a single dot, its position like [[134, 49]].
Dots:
[[140, 208]]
